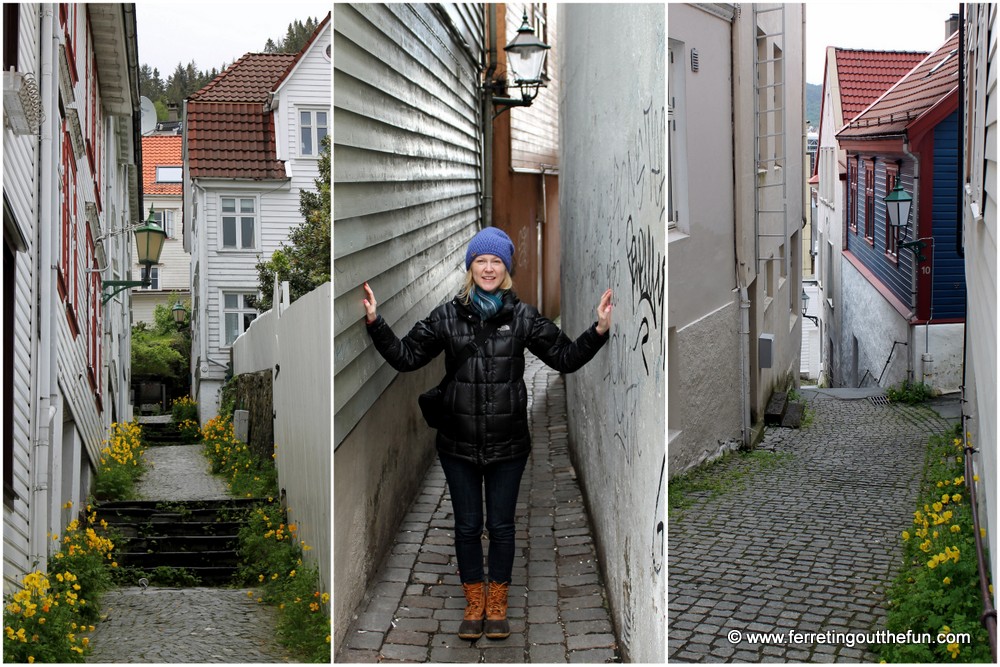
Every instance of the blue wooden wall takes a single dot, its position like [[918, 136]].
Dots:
[[949, 269]]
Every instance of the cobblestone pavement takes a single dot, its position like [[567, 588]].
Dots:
[[179, 472], [184, 625], [557, 606], [806, 546]]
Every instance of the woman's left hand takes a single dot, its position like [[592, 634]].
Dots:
[[604, 313]]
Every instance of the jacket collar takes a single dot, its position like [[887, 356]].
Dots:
[[506, 313]]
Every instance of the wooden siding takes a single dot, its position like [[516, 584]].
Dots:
[[895, 276], [949, 268], [20, 155], [407, 176]]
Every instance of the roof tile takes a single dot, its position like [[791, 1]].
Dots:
[[160, 151], [865, 75]]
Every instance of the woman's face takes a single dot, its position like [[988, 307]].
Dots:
[[488, 272]]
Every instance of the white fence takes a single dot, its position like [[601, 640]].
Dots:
[[294, 342]]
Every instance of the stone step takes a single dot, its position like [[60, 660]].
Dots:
[[793, 415], [776, 408]]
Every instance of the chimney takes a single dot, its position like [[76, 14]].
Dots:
[[172, 108], [951, 26]]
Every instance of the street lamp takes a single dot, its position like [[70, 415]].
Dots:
[[149, 239], [179, 313], [804, 298], [525, 57], [897, 207]]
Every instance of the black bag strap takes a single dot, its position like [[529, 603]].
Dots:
[[468, 351]]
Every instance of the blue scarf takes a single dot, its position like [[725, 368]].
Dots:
[[487, 304]]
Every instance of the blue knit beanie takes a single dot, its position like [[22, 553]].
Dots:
[[490, 241]]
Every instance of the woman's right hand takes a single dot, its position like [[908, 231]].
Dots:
[[370, 303]]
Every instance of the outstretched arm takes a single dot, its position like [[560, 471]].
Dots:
[[554, 348], [415, 350]]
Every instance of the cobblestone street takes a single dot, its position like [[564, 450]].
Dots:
[[183, 625], [558, 609], [808, 545]]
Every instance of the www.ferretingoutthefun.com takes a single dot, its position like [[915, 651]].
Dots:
[[849, 639]]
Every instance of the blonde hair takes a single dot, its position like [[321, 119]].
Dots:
[[465, 294]]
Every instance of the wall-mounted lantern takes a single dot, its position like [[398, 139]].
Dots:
[[525, 58], [149, 239]]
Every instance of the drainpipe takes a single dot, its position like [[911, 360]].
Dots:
[[913, 269], [961, 130], [745, 363], [49, 166], [540, 262], [486, 216]]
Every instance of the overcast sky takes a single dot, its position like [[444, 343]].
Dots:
[[213, 32], [880, 25]]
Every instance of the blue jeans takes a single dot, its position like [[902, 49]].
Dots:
[[465, 485]]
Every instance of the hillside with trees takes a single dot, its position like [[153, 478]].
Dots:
[[187, 79]]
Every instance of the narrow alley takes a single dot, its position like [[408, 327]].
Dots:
[[558, 605], [808, 545], [197, 624]]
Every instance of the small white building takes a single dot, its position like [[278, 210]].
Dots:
[[170, 280], [71, 156], [251, 144]]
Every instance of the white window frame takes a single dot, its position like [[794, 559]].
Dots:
[[165, 218], [240, 246], [154, 279], [313, 129], [241, 311]]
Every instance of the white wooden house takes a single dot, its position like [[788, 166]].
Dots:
[[71, 188], [161, 189], [241, 189]]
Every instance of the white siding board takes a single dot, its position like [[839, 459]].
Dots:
[[407, 176]]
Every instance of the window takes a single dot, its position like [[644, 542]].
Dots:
[[238, 315], [165, 219], [852, 196], [676, 139], [891, 240], [154, 278], [11, 27], [169, 174], [870, 201], [312, 128], [239, 222], [9, 297], [540, 22]]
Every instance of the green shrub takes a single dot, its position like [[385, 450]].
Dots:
[[184, 409], [121, 463], [909, 392]]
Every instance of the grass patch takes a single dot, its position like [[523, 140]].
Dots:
[[726, 474], [937, 590], [909, 392]]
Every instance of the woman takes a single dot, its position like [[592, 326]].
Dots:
[[485, 441]]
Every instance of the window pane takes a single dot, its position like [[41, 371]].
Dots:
[[228, 205], [232, 327], [305, 118], [246, 206], [247, 319], [320, 119], [247, 224], [306, 133], [320, 133], [229, 232]]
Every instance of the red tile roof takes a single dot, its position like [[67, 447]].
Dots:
[[864, 75], [162, 151], [229, 134], [911, 97]]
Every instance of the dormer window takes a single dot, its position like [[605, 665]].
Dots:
[[169, 174]]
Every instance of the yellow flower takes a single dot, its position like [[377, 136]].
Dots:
[[260, 578], [954, 650], [957, 498], [250, 593], [956, 529], [314, 606], [947, 580], [292, 573], [945, 498], [31, 659], [937, 507]]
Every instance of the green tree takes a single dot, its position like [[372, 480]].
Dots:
[[161, 352], [305, 261]]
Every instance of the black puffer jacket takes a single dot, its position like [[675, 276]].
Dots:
[[487, 397]]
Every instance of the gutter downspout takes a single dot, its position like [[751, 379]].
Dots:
[[746, 433], [486, 216], [540, 225], [913, 267], [48, 170], [961, 133]]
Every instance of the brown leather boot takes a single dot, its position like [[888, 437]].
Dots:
[[475, 610], [496, 626]]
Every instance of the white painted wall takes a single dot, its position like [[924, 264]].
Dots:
[[612, 204], [876, 324], [298, 339]]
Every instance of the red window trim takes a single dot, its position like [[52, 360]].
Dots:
[[852, 192], [74, 328], [891, 242], [69, 29], [870, 202]]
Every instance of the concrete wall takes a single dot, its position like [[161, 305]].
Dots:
[[704, 410], [868, 317], [612, 204]]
